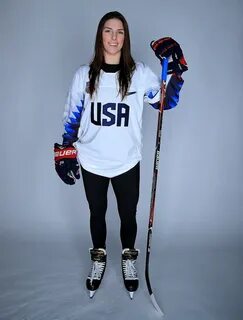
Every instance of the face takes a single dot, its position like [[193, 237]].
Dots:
[[113, 39]]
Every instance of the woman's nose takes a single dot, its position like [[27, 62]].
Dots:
[[114, 35]]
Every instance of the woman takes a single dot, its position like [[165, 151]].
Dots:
[[103, 122]]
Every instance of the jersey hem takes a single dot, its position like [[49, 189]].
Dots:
[[112, 173]]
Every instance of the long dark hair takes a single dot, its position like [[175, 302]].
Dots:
[[126, 61]]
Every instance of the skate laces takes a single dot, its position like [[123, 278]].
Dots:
[[98, 266], [129, 269], [129, 258], [97, 270]]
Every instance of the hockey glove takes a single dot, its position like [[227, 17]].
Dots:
[[66, 164], [168, 47]]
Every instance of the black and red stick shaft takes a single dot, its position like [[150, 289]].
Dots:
[[154, 182]]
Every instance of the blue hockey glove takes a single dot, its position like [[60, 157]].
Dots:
[[168, 47], [66, 164]]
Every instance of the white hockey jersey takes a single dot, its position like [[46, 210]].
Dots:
[[107, 130]]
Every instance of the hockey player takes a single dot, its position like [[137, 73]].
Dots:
[[102, 135]]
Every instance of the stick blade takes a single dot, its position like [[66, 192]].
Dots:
[[157, 307]]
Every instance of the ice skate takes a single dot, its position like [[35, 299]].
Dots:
[[98, 260], [129, 272]]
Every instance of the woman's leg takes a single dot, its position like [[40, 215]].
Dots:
[[126, 188], [96, 193]]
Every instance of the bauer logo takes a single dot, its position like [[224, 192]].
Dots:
[[67, 153], [110, 114]]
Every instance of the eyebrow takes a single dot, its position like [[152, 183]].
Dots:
[[112, 29]]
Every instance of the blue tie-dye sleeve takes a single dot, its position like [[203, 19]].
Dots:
[[172, 93], [74, 108]]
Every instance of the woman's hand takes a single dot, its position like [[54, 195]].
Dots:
[[169, 48]]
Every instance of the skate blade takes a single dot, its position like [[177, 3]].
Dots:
[[91, 294], [131, 295]]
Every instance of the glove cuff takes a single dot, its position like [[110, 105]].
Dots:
[[64, 152]]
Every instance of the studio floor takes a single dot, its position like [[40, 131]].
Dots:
[[46, 280]]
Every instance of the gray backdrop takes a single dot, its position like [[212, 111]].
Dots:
[[44, 229]]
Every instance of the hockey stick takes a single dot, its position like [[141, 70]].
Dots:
[[154, 183]]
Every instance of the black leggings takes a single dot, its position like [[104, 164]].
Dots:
[[126, 189]]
